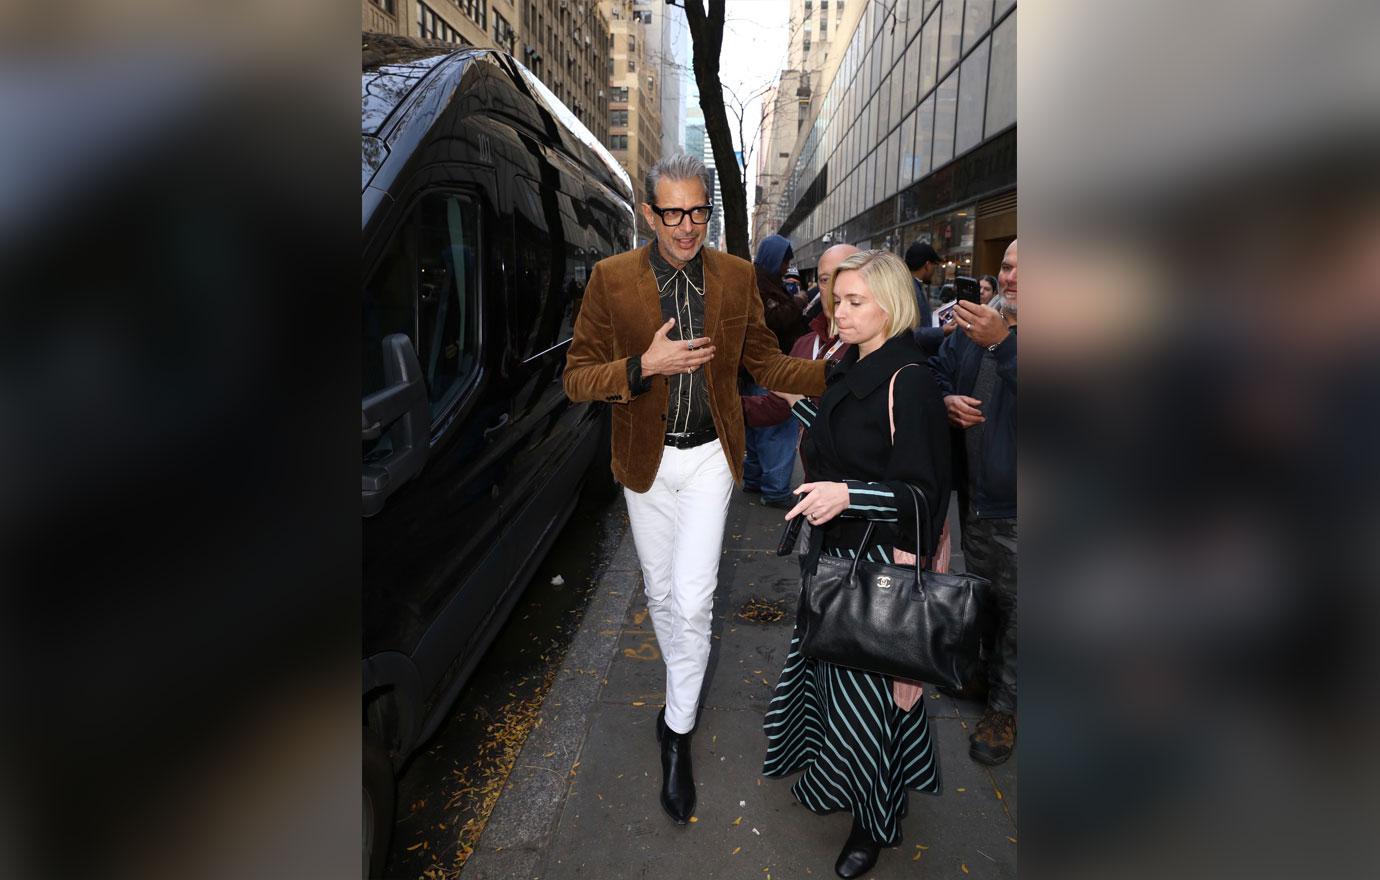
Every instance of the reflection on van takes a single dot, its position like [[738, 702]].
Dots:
[[486, 205]]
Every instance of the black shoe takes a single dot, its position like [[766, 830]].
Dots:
[[859, 853], [785, 503], [677, 781], [755, 490]]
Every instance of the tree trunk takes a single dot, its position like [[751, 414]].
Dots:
[[706, 39]]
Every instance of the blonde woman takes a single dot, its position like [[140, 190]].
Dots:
[[861, 748]]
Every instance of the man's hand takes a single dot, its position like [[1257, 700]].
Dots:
[[791, 399], [820, 502], [983, 324], [949, 326], [667, 356], [963, 411]]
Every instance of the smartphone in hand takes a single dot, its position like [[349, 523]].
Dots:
[[789, 534], [967, 290]]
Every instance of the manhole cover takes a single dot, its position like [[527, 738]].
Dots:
[[762, 611]]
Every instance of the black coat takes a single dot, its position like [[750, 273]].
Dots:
[[955, 369], [850, 440]]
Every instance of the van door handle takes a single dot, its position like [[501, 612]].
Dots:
[[503, 420]]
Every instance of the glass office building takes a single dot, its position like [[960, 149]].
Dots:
[[915, 137]]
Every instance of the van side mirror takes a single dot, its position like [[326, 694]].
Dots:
[[401, 410]]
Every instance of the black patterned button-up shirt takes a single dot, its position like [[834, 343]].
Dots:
[[682, 298]]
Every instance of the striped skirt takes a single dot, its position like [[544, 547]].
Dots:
[[860, 753]]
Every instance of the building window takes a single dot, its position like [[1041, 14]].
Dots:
[[618, 141], [477, 10], [632, 65], [632, 43], [618, 93], [504, 35], [433, 27], [388, 6], [619, 118]]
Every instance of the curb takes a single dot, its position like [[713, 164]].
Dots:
[[515, 839]]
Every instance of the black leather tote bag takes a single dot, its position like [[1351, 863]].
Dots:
[[895, 620]]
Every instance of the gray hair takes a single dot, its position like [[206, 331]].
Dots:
[[681, 166]]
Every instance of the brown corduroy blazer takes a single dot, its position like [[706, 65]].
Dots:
[[620, 314]]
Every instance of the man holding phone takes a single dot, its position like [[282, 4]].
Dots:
[[976, 372]]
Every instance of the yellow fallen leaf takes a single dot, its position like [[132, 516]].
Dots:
[[639, 703], [964, 867], [738, 821], [736, 850], [921, 846], [916, 857], [1012, 839], [962, 789], [694, 819], [415, 846], [998, 791]]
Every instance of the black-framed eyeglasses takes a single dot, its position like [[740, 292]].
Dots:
[[673, 216]]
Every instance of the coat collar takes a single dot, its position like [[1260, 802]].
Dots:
[[862, 377]]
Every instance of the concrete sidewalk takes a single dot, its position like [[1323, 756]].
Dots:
[[582, 799]]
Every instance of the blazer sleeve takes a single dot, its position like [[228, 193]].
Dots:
[[919, 455], [591, 371], [763, 358]]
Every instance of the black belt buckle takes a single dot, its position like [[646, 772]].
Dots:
[[690, 441]]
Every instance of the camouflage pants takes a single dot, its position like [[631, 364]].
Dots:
[[989, 550]]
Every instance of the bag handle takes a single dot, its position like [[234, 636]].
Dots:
[[921, 522]]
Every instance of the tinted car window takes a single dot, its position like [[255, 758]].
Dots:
[[427, 286]]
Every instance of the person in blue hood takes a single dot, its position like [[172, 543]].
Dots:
[[771, 449]]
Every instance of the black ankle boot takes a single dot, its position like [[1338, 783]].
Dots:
[[677, 780], [859, 853]]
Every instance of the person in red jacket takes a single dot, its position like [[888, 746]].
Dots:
[[764, 411]]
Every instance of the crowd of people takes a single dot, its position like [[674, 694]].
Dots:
[[728, 373]]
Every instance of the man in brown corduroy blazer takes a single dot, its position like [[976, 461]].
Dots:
[[661, 335]]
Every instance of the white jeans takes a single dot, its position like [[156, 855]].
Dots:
[[678, 529]]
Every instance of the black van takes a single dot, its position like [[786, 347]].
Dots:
[[486, 205]]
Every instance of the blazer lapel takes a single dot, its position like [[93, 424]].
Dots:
[[713, 293], [646, 295]]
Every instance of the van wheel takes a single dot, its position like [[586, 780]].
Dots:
[[379, 793]]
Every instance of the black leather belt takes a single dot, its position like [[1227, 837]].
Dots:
[[693, 439]]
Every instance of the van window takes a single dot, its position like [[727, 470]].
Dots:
[[427, 286]]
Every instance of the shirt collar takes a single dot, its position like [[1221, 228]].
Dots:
[[664, 271]]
